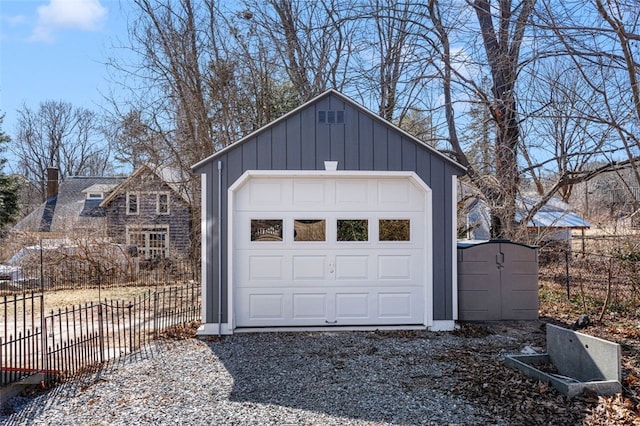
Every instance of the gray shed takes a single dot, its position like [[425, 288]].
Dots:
[[328, 217], [497, 280]]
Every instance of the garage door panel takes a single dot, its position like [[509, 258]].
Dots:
[[309, 278], [395, 267], [266, 268], [309, 306], [396, 305], [266, 193], [266, 307], [309, 192], [353, 305], [394, 192], [354, 193], [310, 267], [352, 267]]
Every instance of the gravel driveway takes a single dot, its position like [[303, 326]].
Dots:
[[343, 378]]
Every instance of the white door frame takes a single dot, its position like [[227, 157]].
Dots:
[[342, 174]]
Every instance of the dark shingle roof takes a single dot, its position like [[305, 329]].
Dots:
[[62, 212]]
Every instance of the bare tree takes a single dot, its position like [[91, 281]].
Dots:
[[598, 38], [213, 72], [60, 135], [502, 28], [310, 41], [502, 35]]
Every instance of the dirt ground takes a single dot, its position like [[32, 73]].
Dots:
[[485, 379]]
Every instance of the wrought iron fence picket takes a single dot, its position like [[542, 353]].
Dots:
[[66, 341]]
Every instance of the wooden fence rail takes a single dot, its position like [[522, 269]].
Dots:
[[67, 341]]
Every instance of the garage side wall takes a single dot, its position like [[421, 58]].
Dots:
[[301, 142]]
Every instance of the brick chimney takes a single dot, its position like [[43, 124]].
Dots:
[[52, 182]]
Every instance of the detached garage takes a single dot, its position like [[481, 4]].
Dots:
[[363, 241]]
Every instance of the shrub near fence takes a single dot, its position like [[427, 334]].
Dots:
[[70, 340], [600, 283], [83, 275]]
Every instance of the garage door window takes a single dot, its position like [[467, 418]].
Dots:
[[309, 230], [394, 230], [352, 230], [266, 229]]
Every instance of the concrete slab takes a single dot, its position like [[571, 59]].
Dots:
[[582, 362], [528, 365], [583, 357]]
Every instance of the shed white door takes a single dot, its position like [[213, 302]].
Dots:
[[325, 250]]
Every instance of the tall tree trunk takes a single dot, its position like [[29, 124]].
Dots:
[[502, 47]]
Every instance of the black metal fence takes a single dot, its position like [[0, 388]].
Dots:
[[22, 339], [599, 282], [67, 341]]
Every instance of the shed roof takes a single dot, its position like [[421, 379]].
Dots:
[[318, 98], [554, 214]]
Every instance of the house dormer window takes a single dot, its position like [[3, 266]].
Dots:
[[162, 203], [95, 195], [133, 203]]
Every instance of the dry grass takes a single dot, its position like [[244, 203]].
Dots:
[[66, 298], [61, 299]]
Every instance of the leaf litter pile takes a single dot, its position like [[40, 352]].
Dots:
[[508, 394]]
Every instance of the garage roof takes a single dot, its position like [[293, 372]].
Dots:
[[315, 100]]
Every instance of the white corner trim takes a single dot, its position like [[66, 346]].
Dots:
[[231, 204], [428, 252], [203, 245], [454, 246], [443, 325], [214, 329]]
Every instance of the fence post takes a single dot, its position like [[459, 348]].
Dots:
[[155, 313], [130, 327], [568, 277], [608, 295], [44, 337], [100, 331]]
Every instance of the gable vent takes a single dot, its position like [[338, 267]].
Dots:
[[331, 116]]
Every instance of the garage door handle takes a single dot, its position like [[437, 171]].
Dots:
[[331, 322]]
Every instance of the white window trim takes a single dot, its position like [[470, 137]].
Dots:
[[147, 229], [95, 196], [158, 212], [127, 210]]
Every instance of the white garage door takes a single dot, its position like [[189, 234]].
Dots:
[[323, 250]]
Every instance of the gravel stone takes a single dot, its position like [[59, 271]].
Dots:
[[308, 378]]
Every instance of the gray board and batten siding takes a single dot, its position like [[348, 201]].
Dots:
[[297, 141]]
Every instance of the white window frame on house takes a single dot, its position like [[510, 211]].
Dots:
[[95, 196], [128, 204], [159, 211], [145, 237]]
